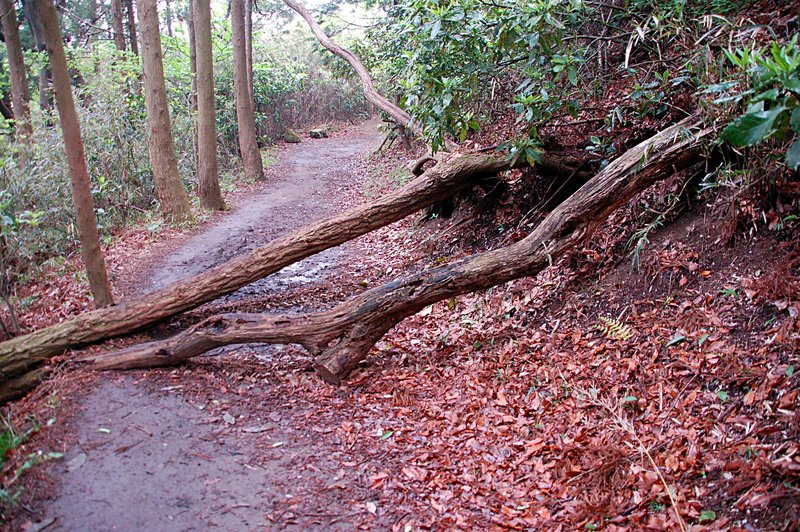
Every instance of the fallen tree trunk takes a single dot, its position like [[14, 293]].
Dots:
[[342, 336], [20, 355]]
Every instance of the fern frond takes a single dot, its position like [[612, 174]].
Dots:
[[614, 329]]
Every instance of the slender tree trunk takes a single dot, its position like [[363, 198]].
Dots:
[[245, 115], [248, 42], [168, 17], [134, 38], [93, 12], [207, 173], [31, 10], [171, 192], [117, 25], [81, 186], [193, 88], [20, 96]]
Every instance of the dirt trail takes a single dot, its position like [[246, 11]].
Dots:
[[150, 456], [306, 185]]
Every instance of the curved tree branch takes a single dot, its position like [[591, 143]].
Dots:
[[370, 93]]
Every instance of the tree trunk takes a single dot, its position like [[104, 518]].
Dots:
[[357, 324], [23, 353], [31, 10], [193, 88], [373, 96], [73, 144], [117, 26], [168, 17], [248, 43], [134, 38], [207, 174], [245, 115], [171, 192], [20, 96]]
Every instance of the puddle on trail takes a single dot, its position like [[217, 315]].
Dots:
[[314, 268]]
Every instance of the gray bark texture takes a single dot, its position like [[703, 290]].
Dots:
[[245, 113], [171, 192]]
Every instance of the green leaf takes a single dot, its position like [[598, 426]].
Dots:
[[789, 371], [702, 340], [722, 395], [795, 120], [629, 399], [771, 94], [676, 339], [533, 156], [386, 434], [792, 84], [708, 515], [437, 26], [793, 155], [752, 128]]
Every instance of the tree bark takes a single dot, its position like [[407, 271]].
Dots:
[[248, 43], [342, 336], [207, 173], [134, 39], [20, 96], [193, 88], [168, 17], [245, 114], [370, 93], [171, 192], [24, 353], [73, 144], [117, 26], [31, 10]]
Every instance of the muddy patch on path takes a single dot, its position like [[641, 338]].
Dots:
[[310, 181], [190, 449]]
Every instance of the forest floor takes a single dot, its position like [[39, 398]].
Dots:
[[592, 396]]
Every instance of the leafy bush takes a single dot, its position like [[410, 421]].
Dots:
[[454, 60], [773, 97]]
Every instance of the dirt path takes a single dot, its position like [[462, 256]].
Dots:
[[150, 452]]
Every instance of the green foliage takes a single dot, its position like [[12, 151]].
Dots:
[[36, 210], [10, 439], [454, 59], [677, 9], [773, 97]]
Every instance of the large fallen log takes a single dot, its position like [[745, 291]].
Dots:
[[342, 336], [20, 355]]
